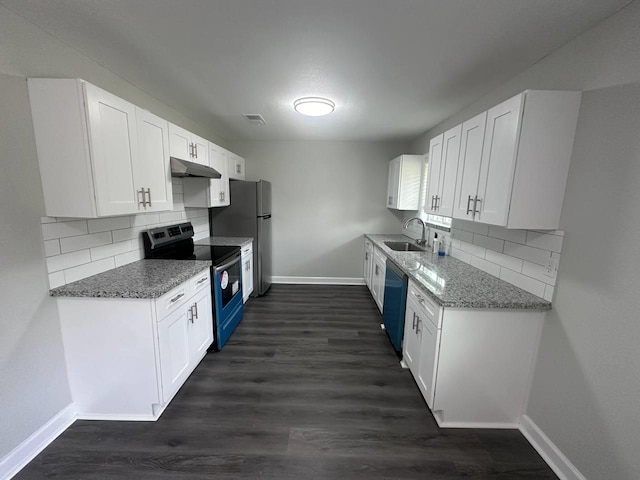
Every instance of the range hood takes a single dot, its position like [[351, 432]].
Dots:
[[183, 168]]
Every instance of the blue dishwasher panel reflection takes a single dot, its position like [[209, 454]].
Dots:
[[395, 300]]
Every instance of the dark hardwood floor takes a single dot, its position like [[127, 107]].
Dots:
[[307, 388]]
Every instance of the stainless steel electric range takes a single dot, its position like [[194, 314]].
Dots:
[[175, 242]]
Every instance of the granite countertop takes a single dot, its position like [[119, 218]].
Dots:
[[226, 241], [452, 283], [141, 279]]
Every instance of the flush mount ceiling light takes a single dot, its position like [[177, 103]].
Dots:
[[314, 106]]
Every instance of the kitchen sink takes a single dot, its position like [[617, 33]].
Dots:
[[404, 247]]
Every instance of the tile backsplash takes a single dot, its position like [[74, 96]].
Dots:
[[78, 248], [519, 257]]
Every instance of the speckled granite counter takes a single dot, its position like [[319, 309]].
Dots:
[[225, 241], [452, 283], [141, 279]]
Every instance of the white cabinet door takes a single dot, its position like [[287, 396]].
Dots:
[[498, 161], [448, 171], [247, 272], [152, 172], [175, 357], [219, 187], [114, 149], [180, 142], [200, 150], [236, 166], [200, 327], [433, 182], [428, 359], [412, 342], [368, 263], [472, 140]]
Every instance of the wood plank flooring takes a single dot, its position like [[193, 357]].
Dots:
[[307, 388]]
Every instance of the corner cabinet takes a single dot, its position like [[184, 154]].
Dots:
[[247, 271], [127, 358], [403, 188], [99, 155], [514, 161], [473, 367]]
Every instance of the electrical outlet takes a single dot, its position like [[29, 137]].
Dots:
[[551, 267]]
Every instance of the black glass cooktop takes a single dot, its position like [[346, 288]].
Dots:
[[217, 254]]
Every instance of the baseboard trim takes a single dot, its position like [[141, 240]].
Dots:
[[20, 456], [548, 450], [319, 280], [117, 417]]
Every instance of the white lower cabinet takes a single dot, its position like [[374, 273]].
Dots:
[[368, 262], [473, 367], [127, 358], [378, 276], [247, 271]]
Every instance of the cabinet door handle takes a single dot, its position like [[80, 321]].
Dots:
[[149, 194], [390, 200], [437, 202], [201, 281], [141, 202], [418, 326], [176, 298], [190, 314], [413, 327], [469, 205], [475, 203], [195, 309], [366, 255], [377, 270], [195, 150], [238, 168]]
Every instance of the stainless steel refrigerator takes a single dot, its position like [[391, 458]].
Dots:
[[249, 215]]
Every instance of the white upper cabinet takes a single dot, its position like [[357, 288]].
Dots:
[[153, 168], [209, 192], [444, 151], [403, 188], [236, 166], [188, 146], [514, 161], [89, 151]]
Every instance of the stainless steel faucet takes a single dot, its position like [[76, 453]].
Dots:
[[423, 241]]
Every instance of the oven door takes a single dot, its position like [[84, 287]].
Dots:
[[227, 293]]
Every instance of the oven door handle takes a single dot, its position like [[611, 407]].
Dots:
[[228, 264]]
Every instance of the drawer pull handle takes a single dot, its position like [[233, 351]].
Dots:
[[201, 281], [176, 298]]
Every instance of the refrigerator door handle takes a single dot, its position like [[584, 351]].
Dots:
[[264, 216]]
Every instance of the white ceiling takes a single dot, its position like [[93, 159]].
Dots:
[[394, 68]]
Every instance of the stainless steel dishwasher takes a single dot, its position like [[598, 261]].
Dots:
[[395, 301]]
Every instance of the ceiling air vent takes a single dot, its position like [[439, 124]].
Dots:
[[255, 119]]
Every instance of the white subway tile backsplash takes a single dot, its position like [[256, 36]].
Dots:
[[548, 293], [128, 257], [171, 217], [48, 219], [462, 235], [490, 268], [473, 227], [144, 219], [545, 241], [128, 233], [84, 271], [52, 247], [526, 283], [63, 229], [460, 255], [200, 235], [538, 272], [56, 279], [473, 249], [108, 224], [503, 260], [81, 242], [515, 236], [111, 250], [68, 260], [525, 252], [193, 213], [489, 243]]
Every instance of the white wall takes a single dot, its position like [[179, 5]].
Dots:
[[586, 390], [33, 383], [326, 195], [33, 379]]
